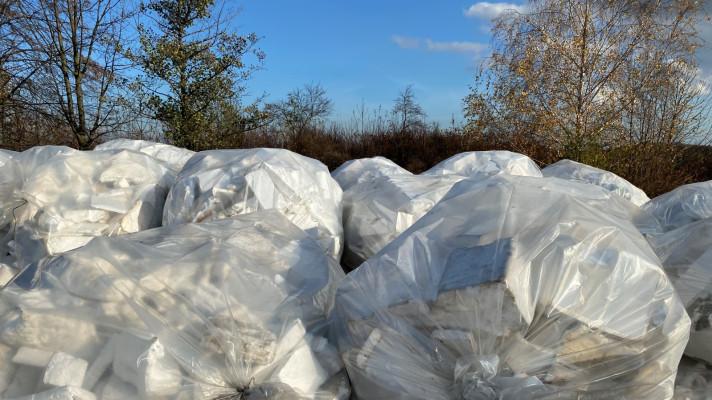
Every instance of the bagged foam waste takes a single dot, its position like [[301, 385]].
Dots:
[[694, 380], [173, 157], [486, 163], [686, 254], [228, 309], [223, 183], [10, 180], [68, 198], [376, 211], [512, 288], [35, 157], [360, 170], [682, 206], [572, 170]]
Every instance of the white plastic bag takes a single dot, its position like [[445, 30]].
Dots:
[[228, 309], [360, 170], [486, 163], [35, 157], [222, 183], [71, 197], [9, 183], [572, 170], [10, 180], [683, 205], [377, 210], [686, 254], [173, 157], [512, 288]]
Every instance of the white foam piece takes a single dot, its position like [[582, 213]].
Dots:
[[32, 357], [302, 370], [47, 331], [65, 370], [146, 365]]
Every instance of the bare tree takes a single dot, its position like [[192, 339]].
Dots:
[[583, 75], [75, 49], [407, 112], [303, 108]]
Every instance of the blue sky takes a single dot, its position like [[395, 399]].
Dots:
[[369, 50]]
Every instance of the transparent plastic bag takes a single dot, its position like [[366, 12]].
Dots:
[[377, 210], [70, 197], [10, 180], [360, 170], [683, 205], [694, 380], [222, 183], [572, 170], [228, 309], [173, 157], [486, 163], [512, 288], [35, 157], [686, 254]]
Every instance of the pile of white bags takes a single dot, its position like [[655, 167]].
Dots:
[[488, 163], [686, 254], [69, 197], [360, 170], [222, 183], [229, 309], [173, 157], [572, 170], [512, 288], [682, 206]]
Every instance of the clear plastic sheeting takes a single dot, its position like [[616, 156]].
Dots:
[[376, 211], [222, 183], [354, 172], [173, 157], [10, 180], [512, 288], [694, 380], [682, 206], [70, 198], [494, 162], [229, 309], [686, 254], [35, 157], [572, 170], [15, 168]]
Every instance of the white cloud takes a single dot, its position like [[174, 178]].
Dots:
[[486, 10], [464, 47], [406, 42], [455, 47]]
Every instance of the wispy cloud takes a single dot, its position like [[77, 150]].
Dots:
[[486, 10], [464, 47], [455, 47], [406, 42]]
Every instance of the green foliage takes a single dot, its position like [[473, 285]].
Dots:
[[193, 67]]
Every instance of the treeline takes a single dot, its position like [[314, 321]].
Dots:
[[613, 84]]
